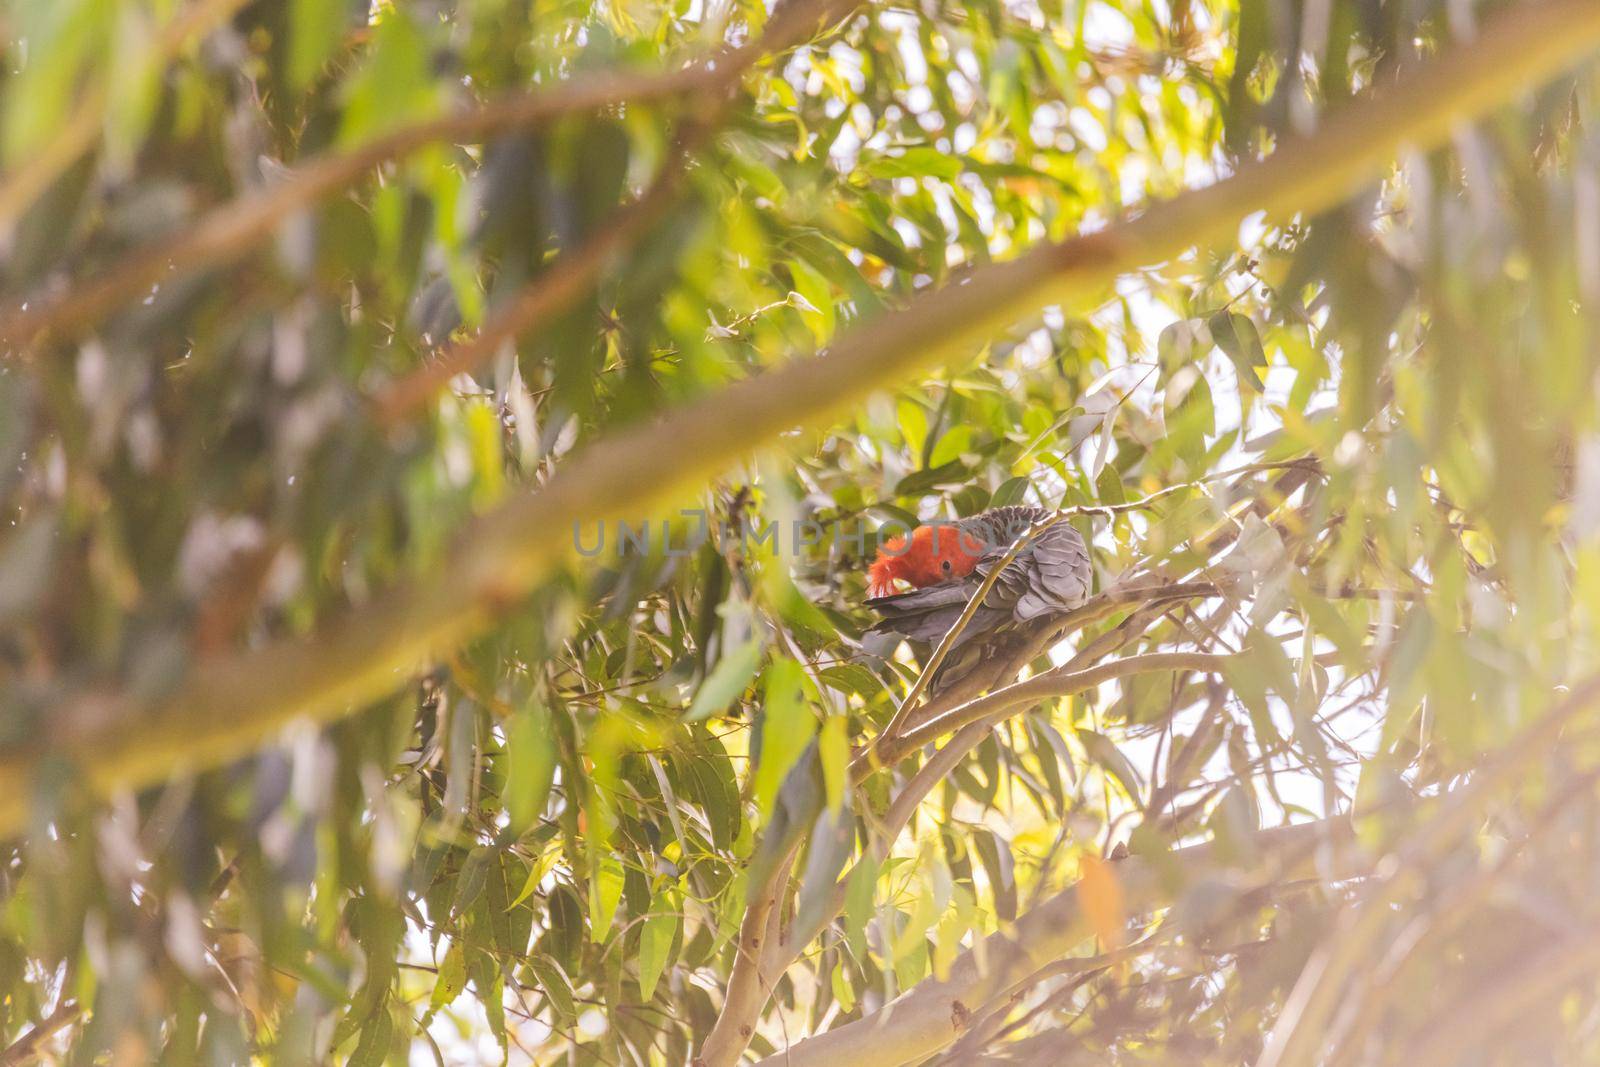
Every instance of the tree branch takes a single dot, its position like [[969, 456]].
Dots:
[[547, 295], [1507, 999], [750, 984], [232, 230], [227, 705], [33, 175], [758, 947], [931, 1015], [1052, 683], [29, 1047], [1302, 1022]]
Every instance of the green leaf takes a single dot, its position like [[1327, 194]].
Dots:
[[727, 680], [711, 784], [135, 85], [63, 37], [1179, 345], [556, 985], [918, 482], [859, 901], [1011, 491], [919, 162], [605, 892], [1104, 752], [394, 84], [376, 1037], [913, 425], [531, 766], [380, 930], [1239, 340], [655, 943], [489, 981], [452, 979], [834, 748], [1190, 414], [787, 726], [950, 447], [315, 30], [843, 992], [821, 316], [995, 855], [564, 940], [536, 874], [852, 678], [473, 879], [484, 436], [507, 931]]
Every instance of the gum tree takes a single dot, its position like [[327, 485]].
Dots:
[[442, 442]]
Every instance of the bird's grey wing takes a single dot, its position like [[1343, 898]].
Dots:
[[1058, 574], [927, 614], [1049, 576]]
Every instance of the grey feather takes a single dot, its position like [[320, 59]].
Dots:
[[1050, 576]]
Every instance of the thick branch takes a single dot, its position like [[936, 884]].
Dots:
[[750, 982], [227, 705]]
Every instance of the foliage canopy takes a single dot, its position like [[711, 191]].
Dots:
[[431, 576]]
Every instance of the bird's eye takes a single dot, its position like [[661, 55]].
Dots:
[[945, 564]]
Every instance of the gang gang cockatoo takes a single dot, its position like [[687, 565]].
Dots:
[[946, 562]]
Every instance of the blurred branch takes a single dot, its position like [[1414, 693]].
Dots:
[[933, 1014], [226, 705], [548, 294], [233, 229], [28, 1048], [1448, 912], [1506, 998], [1303, 1023], [22, 186]]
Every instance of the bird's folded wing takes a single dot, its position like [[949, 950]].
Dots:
[[1049, 576]]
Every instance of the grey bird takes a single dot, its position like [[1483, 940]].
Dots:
[[946, 562]]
